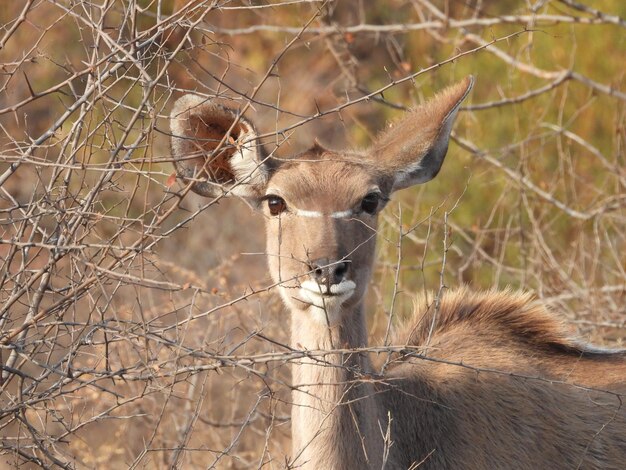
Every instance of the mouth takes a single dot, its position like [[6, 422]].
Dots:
[[323, 296]]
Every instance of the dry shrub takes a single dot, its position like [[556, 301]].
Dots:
[[138, 324]]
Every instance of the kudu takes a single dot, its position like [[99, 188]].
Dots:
[[501, 384]]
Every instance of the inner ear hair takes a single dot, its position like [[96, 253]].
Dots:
[[217, 148]]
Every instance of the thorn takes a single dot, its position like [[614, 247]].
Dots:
[[30, 88]]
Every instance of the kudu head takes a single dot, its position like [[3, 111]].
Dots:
[[321, 206]]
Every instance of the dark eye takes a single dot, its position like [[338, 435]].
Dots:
[[369, 203], [276, 205]]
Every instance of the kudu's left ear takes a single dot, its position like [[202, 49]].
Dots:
[[216, 148], [412, 151]]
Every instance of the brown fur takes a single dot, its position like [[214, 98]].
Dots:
[[505, 385], [486, 380], [507, 312]]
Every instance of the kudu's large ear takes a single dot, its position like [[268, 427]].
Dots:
[[412, 151], [216, 148]]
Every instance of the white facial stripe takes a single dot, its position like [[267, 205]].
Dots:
[[303, 213], [314, 214], [334, 215], [341, 214]]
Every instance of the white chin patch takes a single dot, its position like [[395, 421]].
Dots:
[[325, 304]]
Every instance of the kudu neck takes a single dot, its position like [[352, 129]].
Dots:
[[348, 332], [335, 415]]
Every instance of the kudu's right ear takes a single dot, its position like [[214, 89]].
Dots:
[[216, 148]]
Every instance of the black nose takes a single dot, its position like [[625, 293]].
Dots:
[[328, 272]]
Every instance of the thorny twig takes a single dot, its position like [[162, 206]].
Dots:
[[118, 319]]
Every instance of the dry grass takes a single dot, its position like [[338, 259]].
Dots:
[[134, 322]]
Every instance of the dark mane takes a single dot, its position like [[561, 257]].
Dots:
[[515, 314]]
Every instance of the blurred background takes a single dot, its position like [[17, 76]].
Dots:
[[138, 328]]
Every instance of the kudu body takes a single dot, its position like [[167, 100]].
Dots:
[[500, 386]]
